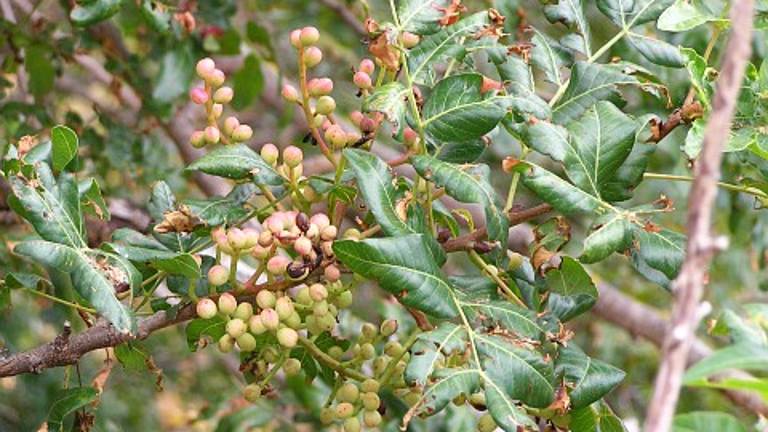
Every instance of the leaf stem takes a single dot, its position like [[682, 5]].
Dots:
[[728, 186], [390, 369], [515, 180], [493, 274], [329, 361], [60, 301]]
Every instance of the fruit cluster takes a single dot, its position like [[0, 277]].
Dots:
[[213, 96]]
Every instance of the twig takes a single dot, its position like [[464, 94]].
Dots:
[[467, 241], [689, 285]]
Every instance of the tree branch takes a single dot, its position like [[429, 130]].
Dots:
[[467, 241], [689, 285], [646, 322]]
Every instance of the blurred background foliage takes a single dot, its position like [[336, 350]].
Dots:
[[48, 76]]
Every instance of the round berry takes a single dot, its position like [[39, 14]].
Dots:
[[309, 35], [327, 416], [329, 233], [246, 342], [348, 392], [292, 367], [216, 78], [216, 110], [256, 326], [368, 331], [212, 134], [344, 299], [236, 238], [371, 418], [320, 87], [293, 321], [226, 343], [325, 105], [410, 40], [230, 124], [486, 423], [292, 156], [223, 95], [259, 252], [252, 393], [312, 56], [369, 386], [388, 327], [336, 136], [367, 351], [345, 410], [205, 68], [332, 273], [277, 264], [244, 311], [367, 66], [290, 93], [362, 80], [198, 95], [303, 246], [236, 328], [296, 38], [270, 319], [352, 424], [197, 139], [242, 133], [318, 292], [287, 337], [269, 153], [265, 299], [206, 308], [284, 308], [227, 304]]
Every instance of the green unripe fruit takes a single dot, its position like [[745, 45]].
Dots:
[[303, 297], [218, 275], [477, 400], [256, 326], [486, 423], [242, 133], [206, 308], [326, 322], [236, 327], [388, 327], [287, 337], [320, 308], [344, 410], [244, 311], [270, 354], [266, 299], [227, 304], [368, 331], [344, 300], [393, 349], [312, 56], [370, 386], [252, 393], [284, 308], [226, 343], [352, 234], [371, 418], [292, 367], [352, 424], [371, 401], [318, 292], [327, 416], [335, 352], [270, 319], [246, 342], [309, 36], [269, 152], [460, 400], [325, 105], [348, 393], [312, 325], [332, 310], [293, 321], [367, 351], [515, 260], [379, 364]]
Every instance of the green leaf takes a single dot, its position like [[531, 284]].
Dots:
[[571, 290], [549, 56], [247, 83], [571, 13], [587, 379], [505, 413], [744, 356], [52, 208], [656, 51], [658, 255], [404, 266], [87, 269], [217, 211], [697, 70], [611, 234], [157, 15], [468, 184], [176, 73], [389, 99], [132, 356], [37, 61], [601, 140], [67, 402], [562, 195], [461, 152], [597, 417], [685, 15], [629, 13], [237, 162], [90, 194], [213, 328], [91, 12], [445, 43], [448, 384], [706, 421], [446, 339], [457, 110], [589, 84], [522, 322], [65, 144], [182, 264], [246, 419], [421, 16]]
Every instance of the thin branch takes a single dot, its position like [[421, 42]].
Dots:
[[689, 285], [646, 322], [346, 14], [468, 241]]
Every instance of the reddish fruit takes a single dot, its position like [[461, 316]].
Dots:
[[292, 156], [367, 66], [303, 246], [284, 308], [296, 38], [410, 40], [205, 68], [312, 56], [309, 35], [236, 238], [270, 153], [197, 139], [198, 95], [410, 137], [230, 124], [212, 134], [242, 133], [290, 93], [356, 117], [362, 80], [336, 136], [318, 292], [388, 327], [216, 110], [319, 87], [277, 264], [332, 273]]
